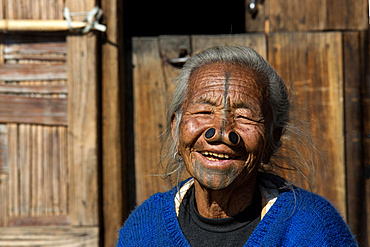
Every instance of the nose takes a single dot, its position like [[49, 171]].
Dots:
[[231, 138]]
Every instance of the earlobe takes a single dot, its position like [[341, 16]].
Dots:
[[173, 125]]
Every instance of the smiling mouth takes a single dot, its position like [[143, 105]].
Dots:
[[217, 157]]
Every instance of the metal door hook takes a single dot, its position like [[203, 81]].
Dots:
[[252, 6]]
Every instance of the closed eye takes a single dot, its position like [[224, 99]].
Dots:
[[245, 119], [204, 112]]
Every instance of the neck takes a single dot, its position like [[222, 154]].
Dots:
[[223, 203]]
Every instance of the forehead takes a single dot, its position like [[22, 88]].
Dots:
[[234, 78]]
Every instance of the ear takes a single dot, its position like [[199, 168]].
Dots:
[[173, 125]]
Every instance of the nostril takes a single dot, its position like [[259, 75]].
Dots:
[[234, 137], [210, 133]]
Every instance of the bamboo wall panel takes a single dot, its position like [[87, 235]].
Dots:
[[3, 149], [34, 89], [38, 184], [308, 15], [313, 62], [38, 171], [4, 175], [32, 9], [32, 72], [19, 109]]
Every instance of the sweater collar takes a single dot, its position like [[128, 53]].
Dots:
[[269, 196]]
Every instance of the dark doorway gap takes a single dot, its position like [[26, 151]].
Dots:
[[154, 18]]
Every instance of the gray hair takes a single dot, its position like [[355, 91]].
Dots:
[[279, 102]]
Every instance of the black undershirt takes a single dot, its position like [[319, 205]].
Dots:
[[232, 231]]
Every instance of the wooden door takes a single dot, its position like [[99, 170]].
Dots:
[[48, 132], [291, 26], [314, 66], [153, 87]]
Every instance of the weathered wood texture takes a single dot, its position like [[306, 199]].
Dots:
[[43, 181], [314, 66], [152, 77], [49, 236], [35, 110], [35, 9], [32, 72], [82, 123], [37, 170], [308, 15], [354, 73], [149, 115], [33, 90], [366, 125], [313, 63], [114, 151]]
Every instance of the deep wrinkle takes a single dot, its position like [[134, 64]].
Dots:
[[226, 101]]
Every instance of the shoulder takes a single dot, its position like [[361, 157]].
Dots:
[[313, 215], [146, 221], [153, 223]]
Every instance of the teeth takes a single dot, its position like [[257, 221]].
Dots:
[[222, 156]]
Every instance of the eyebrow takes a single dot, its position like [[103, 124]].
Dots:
[[241, 105]]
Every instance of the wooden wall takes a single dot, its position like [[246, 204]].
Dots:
[[317, 46], [48, 131]]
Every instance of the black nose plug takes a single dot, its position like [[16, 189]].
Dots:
[[234, 137], [210, 133]]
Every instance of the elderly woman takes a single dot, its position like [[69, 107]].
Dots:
[[226, 120]]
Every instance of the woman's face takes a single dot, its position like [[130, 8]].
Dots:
[[222, 136]]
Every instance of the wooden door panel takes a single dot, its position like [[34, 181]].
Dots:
[[149, 115], [313, 63], [256, 41], [153, 87], [308, 15]]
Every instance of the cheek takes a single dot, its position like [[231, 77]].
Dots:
[[190, 130], [253, 138]]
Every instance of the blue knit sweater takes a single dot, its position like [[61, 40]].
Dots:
[[298, 218]]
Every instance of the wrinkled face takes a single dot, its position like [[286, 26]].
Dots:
[[222, 136]]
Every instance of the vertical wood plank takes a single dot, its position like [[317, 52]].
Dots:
[[39, 181], [316, 15], [4, 175], [172, 47], [63, 163], [25, 168], [313, 62], [114, 167], [149, 115], [4, 149], [256, 41], [365, 92], [47, 171], [35, 178], [13, 170], [55, 170], [4, 195], [355, 177], [82, 123]]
